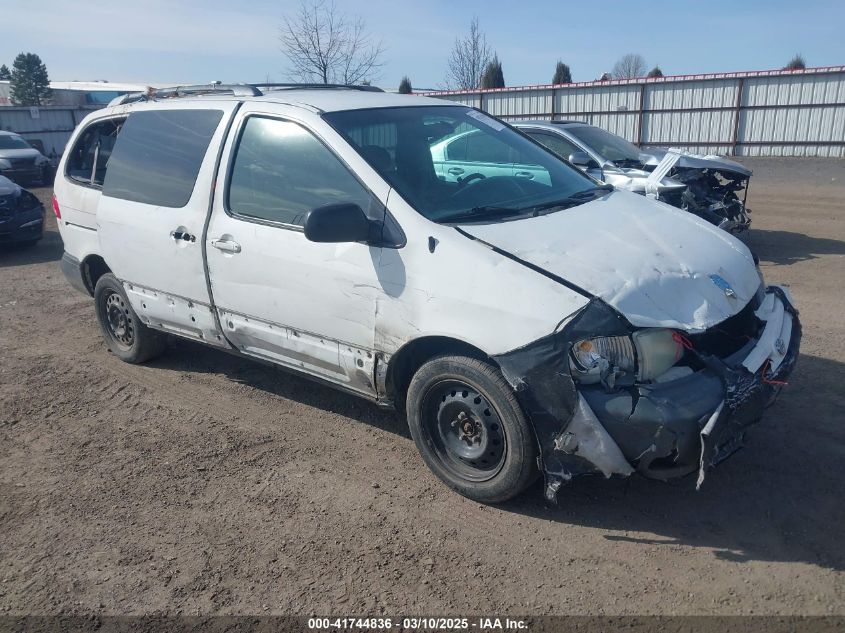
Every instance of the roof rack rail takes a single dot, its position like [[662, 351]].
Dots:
[[236, 90], [295, 86], [152, 94]]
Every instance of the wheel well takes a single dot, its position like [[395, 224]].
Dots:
[[93, 267], [404, 363]]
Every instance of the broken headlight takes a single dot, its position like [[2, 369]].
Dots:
[[646, 354]]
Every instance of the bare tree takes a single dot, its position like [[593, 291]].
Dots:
[[326, 46], [629, 66], [469, 58]]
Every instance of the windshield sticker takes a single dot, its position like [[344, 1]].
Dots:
[[489, 121]]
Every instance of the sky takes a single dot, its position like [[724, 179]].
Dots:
[[197, 41]]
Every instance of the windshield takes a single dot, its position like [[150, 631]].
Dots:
[[611, 147], [13, 141], [453, 163]]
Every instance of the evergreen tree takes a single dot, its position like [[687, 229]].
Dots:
[[796, 63], [492, 77], [30, 85], [562, 74], [405, 87], [655, 72], [5, 73]]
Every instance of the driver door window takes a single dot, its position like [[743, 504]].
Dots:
[[559, 145], [282, 171]]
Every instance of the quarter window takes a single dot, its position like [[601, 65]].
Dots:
[[281, 172], [90, 154], [158, 155]]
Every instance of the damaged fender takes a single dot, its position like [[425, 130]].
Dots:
[[571, 439]]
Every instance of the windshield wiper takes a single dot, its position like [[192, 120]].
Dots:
[[579, 197], [478, 213]]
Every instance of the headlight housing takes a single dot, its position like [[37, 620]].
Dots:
[[645, 354], [5, 164], [41, 160], [26, 202]]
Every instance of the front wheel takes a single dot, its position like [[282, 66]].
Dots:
[[470, 429], [127, 338]]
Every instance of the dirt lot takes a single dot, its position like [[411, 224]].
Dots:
[[202, 483]]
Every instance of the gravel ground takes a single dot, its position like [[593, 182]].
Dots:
[[201, 483]]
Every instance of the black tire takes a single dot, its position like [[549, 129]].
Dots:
[[470, 429], [125, 335]]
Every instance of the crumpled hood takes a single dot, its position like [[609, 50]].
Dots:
[[648, 260], [653, 156]]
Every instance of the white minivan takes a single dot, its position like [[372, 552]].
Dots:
[[547, 325]]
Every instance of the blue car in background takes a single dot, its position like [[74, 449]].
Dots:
[[21, 215]]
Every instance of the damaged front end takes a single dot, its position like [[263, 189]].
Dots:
[[716, 188], [606, 397], [716, 196]]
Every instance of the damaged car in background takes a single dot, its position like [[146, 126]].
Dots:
[[21, 215], [712, 187], [527, 318]]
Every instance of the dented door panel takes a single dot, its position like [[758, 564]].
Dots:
[[280, 297], [174, 314]]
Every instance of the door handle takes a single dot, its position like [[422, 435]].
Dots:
[[455, 171], [185, 237], [227, 246], [524, 174]]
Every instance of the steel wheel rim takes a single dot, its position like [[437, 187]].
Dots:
[[464, 429], [119, 321]]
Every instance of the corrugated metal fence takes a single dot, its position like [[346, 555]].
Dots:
[[766, 113], [51, 125]]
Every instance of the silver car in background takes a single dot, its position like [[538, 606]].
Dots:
[[712, 187], [21, 162]]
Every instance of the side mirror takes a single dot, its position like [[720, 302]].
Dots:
[[580, 159], [337, 223]]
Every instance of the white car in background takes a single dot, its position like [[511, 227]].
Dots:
[[712, 187]]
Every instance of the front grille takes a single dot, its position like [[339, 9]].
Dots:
[[21, 163], [730, 335]]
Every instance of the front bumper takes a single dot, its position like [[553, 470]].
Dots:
[[23, 174], [22, 227], [661, 430], [671, 429]]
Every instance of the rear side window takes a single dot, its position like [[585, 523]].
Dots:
[[158, 155], [281, 172], [90, 155]]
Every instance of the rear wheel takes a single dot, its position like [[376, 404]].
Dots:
[[127, 338], [470, 429]]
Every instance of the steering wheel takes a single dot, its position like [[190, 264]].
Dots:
[[463, 182]]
